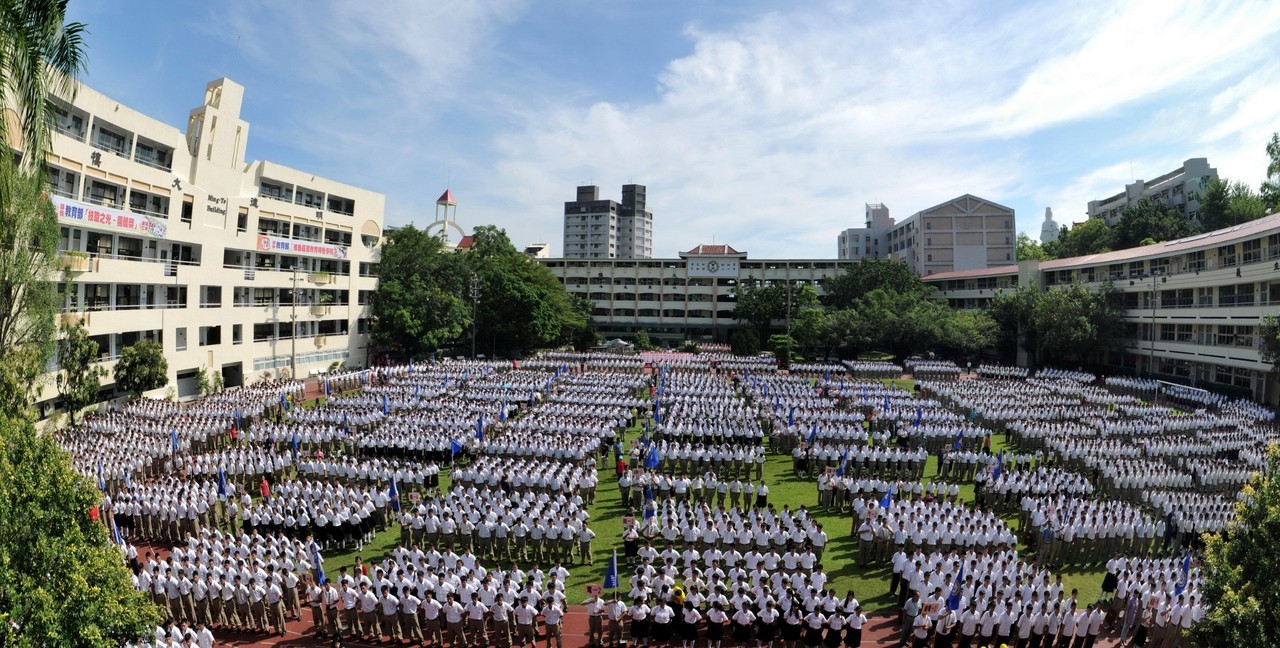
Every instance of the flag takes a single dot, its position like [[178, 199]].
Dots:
[[173, 436], [327, 389], [657, 412], [791, 416], [886, 402], [315, 559], [116, 535], [611, 574], [480, 428], [919, 415], [502, 413], [887, 500], [959, 436], [128, 480], [386, 405], [293, 446], [1186, 575], [813, 432], [394, 494], [995, 474], [651, 460], [454, 447], [843, 461], [222, 484], [953, 601], [826, 375], [776, 405], [283, 405]]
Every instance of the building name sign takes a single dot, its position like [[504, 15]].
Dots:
[[97, 216], [290, 246], [217, 205]]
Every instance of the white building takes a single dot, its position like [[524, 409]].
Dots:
[[1180, 189], [1193, 306], [247, 268], [688, 297], [604, 229], [963, 233]]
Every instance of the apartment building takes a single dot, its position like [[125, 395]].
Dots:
[[686, 297], [1181, 189], [596, 228], [963, 233], [1192, 306], [245, 267]]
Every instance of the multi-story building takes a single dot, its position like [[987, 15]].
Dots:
[[688, 297], [604, 229], [963, 233], [247, 268], [1180, 189], [1193, 306]]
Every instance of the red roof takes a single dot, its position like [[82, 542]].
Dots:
[[969, 274], [446, 198], [466, 242], [713, 249]]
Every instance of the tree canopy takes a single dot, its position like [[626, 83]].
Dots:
[[1149, 219], [424, 300], [79, 377], [1056, 326], [1270, 190], [141, 368], [1090, 237], [869, 274], [1241, 568], [1030, 249]]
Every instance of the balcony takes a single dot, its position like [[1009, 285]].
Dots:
[[110, 145], [152, 159], [320, 278], [74, 262], [73, 319], [320, 310]]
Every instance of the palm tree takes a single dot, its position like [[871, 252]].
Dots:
[[39, 53]]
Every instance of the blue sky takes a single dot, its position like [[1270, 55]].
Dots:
[[766, 125]]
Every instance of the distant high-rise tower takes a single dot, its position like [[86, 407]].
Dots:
[[1050, 229], [604, 229]]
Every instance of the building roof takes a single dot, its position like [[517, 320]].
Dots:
[[714, 249], [1203, 241], [970, 274], [969, 206], [446, 198], [466, 242]]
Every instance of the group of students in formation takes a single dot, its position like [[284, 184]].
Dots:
[[250, 490]]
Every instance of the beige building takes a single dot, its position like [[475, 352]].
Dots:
[[246, 267], [963, 233], [1180, 189]]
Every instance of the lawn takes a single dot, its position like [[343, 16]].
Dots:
[[870, 585]]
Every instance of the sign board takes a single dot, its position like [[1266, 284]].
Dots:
[[74, 211], [595, 590], [268, 243], [628, 521]]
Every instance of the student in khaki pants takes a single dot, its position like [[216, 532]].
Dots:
[[551, 618]]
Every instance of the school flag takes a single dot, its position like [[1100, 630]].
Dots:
[[611, 574]]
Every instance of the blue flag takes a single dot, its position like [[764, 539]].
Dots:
[[791, 416], [293, 445], [454, 447], [116, 535], [657, 412], [843, 461], [813, 432], [386, 405], [173, 436], [995, 474], [953, 601], [651, 460], [919, 415], [315, 559], [1186, 575], [959, 436], [886, 402], [887, 500], [502, 413], [283, 404], [394, 494], [327, 389], [480, 429], [826, 375], [222, 484], [611, 574]]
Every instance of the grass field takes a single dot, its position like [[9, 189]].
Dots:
[[870, 585]]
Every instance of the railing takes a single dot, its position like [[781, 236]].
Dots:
[[77, 135], [335, 210], [109, 147], [152, 161], [216, 304], [106, 307], [146, 212], [102, 201], [282, 197], [58, 191]]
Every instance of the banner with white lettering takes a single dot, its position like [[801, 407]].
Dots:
[[98, 216], [289, 246]]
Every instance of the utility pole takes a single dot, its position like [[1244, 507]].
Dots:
[[1151, 362], [475, 304]]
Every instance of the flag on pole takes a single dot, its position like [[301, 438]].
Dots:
[[651, 460], [791, 416], [886, 402], [327, 389], [953, 601], [480, 428], [222, 484], [611, 574], [394, 494], [502, 413], [843, 461], [813, 432], [1186, 575], [959, 436], [995, 474], [116, 535], [173, 437], [454, 447], [826, 375], [293, 446], [315, 558], [386, 405], [887, 500], [657, 412]]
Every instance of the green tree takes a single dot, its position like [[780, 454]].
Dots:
[[40, 53], [79, 377], [902, 323], [1149, 218], [1269, 340], [745, 342], [969, 331], [1072, 323], [1011, 311], [1226, 204], [784, 349], [807, 328], [1090, 237], [1241, 568], [643, 343], [758, 306], [846, 333], [62, 582], [421, 303], [204, 386], [1029, 249], [1271, 186], [578, 329], [869, 274], [523, 306], [141, 368]]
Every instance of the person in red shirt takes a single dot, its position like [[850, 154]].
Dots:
[[264, 488]]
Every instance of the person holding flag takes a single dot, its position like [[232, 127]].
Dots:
[[394, 496]]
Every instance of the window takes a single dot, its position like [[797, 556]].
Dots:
[[237, 333], [186, 211], [180, 339]]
